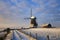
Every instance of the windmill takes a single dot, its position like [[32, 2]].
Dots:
[[33, 23]]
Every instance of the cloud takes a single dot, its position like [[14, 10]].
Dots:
[[13, 11], [49, 10]]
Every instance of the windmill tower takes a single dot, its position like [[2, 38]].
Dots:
[[33, 23]]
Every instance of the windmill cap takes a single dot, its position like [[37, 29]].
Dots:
[[32, 17]]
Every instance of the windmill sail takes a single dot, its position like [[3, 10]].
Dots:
[[33, 23], [31, 12]]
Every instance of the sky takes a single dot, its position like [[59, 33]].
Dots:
[[13, 12]]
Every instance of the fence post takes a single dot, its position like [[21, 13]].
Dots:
[[48, 37], [30, 33], [36, 36]]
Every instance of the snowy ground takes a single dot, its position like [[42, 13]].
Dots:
[[16, 35], [34, 33], [2, 34], [42, 33], [21, 36]]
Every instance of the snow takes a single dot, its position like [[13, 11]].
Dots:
[[23, 36], [17, 35], [35, 33], [2, 34], [9, 36], [41, 33]]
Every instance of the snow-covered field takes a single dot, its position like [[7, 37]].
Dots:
[[35, 33], [42, 33]]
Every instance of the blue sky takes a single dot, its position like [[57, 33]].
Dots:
[[13, 12]]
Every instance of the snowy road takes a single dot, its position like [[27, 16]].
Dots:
[[21, 36]]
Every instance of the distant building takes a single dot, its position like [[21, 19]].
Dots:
[[46, 26]]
